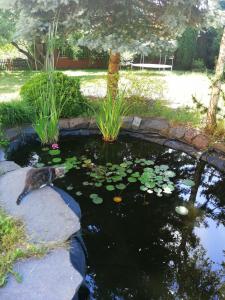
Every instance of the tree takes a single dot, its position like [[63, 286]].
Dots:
[[139, 26], [211, 122], [186, 51], [115, 25], [34, 19]]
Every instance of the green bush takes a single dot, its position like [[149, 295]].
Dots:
[[198, 65], [15, 113], [67, 91]]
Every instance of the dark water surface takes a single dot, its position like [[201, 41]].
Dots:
[[141, 248]]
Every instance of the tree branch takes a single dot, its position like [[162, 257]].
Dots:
[[26, 53]]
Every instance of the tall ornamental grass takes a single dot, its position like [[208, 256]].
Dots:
[[109, 117], [48, 107]]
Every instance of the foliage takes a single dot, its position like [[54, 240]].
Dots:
[[198, 65], [8, 20], [148, 19], [13, 246], [186, 50], [161, 109], [109, 117], [208, 44], [66, 89], [15, 113], [143, 84], [47, 108]]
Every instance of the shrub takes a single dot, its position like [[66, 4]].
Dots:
[[67, 91], [198, 65], [15, 113]]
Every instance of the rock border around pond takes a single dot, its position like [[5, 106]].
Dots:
[[51, 217], [158, 130]]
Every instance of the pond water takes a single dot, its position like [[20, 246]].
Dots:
[[141, 248]]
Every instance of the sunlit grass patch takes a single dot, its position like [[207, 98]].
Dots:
[[14, 246]]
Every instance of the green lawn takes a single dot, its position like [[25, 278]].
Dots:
[[172, 90], [176, 87]]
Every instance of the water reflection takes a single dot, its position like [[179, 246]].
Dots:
[[141, 248]]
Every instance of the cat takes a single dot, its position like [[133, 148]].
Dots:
[[39, 177]]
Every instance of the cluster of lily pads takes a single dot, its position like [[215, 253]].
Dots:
[[148, 177]]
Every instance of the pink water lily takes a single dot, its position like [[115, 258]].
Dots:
[[55, 146]]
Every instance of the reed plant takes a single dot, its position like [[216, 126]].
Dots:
[[49, 105], [109, 116]]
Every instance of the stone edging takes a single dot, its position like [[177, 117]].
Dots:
[[157, 130]]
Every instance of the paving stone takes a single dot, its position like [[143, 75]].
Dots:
[[80, 123], [219, 147], [44, 213], [201, 141], [127, 122], [177, 132], [92, 124], [52, 278], [190, 134], [8, 166], [64, 123], [155, 124], [215, 159]]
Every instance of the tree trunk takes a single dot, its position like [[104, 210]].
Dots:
[[113, 74], [29, 56], [39, 53], [216, 87]]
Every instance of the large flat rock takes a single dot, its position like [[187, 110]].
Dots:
[[46, 216], [8, 166], [51, 277]]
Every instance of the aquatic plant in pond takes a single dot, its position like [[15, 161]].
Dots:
[[109, 116], [144, 174]]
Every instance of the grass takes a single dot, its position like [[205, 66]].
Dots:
[[168, 94], [142, 108], [14, 246], [11, 82]]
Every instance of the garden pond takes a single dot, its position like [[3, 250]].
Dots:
[[153, 218]]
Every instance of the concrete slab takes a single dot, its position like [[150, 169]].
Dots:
[[51, 277], [46, 216]]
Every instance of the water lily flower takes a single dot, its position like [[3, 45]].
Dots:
[[55, 146]]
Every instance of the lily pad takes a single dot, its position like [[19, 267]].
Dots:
[[132, 179], [56, 159], [143, 188], [97, 200], [69, 188], [54, 152], [121, 186], [110, 188], [169, 174], [79, 193]]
